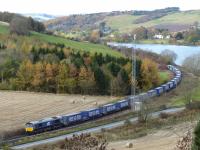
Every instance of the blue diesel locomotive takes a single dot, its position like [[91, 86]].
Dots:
[[91, 114]]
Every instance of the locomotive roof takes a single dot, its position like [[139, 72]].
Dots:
[[44, 120]]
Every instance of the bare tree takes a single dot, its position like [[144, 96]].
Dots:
[[169, 55], [144, 113], [192, 64], [19, 25]]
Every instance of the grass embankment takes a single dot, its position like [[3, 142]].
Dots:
[[164, 76], [82, 46], [154, 41], [180, 101]]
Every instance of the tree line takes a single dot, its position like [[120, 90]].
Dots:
[[47, 67], [21, 25]]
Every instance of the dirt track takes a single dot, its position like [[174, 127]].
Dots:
[[17, 108], [165, 139]]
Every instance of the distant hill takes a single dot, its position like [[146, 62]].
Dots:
[[40, 17], [124, 21]]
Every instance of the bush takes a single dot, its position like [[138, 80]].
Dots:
[[164, 115], [193, 105], [196, 140], [127, 122]]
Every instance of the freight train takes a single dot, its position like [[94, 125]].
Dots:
[[129, 102]]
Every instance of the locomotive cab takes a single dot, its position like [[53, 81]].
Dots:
[[29, 127]]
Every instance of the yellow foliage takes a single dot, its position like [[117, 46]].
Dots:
[[149, 73]]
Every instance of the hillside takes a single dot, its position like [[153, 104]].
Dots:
[[83, 46], [127, 21]]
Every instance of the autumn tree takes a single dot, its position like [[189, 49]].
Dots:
[[39, 76], [86, 80], [50, 74], [141, 32], [95, 36], [25, 75], [63, 75], [120, 85], [149, 74]]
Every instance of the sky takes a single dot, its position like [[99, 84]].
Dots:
[[67, 7]]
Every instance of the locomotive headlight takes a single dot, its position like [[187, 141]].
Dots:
[[29, 129]]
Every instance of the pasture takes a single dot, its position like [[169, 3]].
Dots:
[[3, 28]]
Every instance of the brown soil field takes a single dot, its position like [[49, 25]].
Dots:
[[165, 139], [18, 108]]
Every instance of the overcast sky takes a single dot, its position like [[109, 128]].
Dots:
[[66, 7]]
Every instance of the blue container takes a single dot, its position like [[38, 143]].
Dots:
[[159, 90], [151, 93], [110, 108], [94, 113], [72, 118], [123, 104]]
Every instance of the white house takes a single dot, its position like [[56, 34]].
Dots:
[[158, 36], [168, 37]]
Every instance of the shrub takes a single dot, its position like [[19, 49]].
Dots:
[[196, 140], [193, 105], [164, 115]]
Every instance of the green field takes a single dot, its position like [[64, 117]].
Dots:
[[164, 76], [3, 29], [122, 22], [125, 23], [83, 46]]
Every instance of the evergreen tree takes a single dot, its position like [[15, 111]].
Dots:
[[101, 81], [196, 141]]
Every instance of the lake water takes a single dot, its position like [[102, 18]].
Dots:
[[181, 51]]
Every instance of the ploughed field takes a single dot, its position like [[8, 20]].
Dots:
[[18, 108]]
